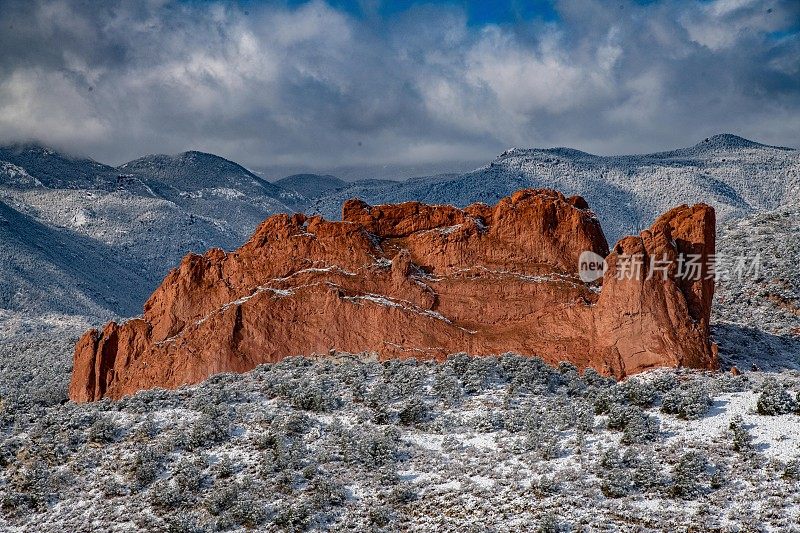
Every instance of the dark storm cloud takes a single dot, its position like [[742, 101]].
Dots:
[[315, 85]]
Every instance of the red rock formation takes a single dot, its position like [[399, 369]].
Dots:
[[412, 280]]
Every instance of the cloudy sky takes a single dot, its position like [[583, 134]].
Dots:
[[368, 82]]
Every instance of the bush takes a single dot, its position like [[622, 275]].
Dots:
[[742, 441], [641, 428], [209, 430], [222, 498], [615, 484], [687, 475], [102, 430], [689, 404], [146, 467], [188, 476], [380, 516], [447, 387], [248, 513], [292, 517], [791, 471], [327, 493], [225, 468], [647, 475], [530, 374], [775, 400], [548, 524], [312, 396], [414, 412], [544, 443], [480, 373], [166, 495], [376, 448], [638, 392], [594, 379], [619, 416]]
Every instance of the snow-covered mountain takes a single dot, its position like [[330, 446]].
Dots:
[[44, 270], [738, 177], [144, 216], [32, 166], [197, 172]]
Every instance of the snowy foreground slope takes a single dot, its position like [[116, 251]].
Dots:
[[498, 444]]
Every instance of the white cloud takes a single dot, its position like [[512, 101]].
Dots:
[[314, 84]]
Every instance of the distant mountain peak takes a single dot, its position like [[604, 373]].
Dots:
[[729, 141]]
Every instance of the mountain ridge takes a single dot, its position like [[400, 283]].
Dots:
[[154, 209]]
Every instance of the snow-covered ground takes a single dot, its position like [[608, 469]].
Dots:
[[503, 444]]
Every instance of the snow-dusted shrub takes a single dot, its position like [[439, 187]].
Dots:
[[727, 383], [446, 386], [222, 497], [688, 474], [742, 440], [647, 475], [209, 430], [604, 399], [188, 475], [640, 428], [401, 494], [664, 382], [379, 397], [690, 403], [571, 379], [633, 393], [413, 412], [292, 517], [313, 396], [146, 431], [327, 493], [29, 487], [184, 523], [545, 486], [620, 415], [615, 483], [774, 399], [376, 447], [549, 524], [791, 471], [166, 495], [529, 374], [401, 378], [638, 392], [544, 442], [380, 516], [248, 512], [489, 422], [225, 468], [102, 430], [594, 379], [480, 373], [147, 464]]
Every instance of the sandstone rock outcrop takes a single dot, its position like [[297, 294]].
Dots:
[[413, 280]]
